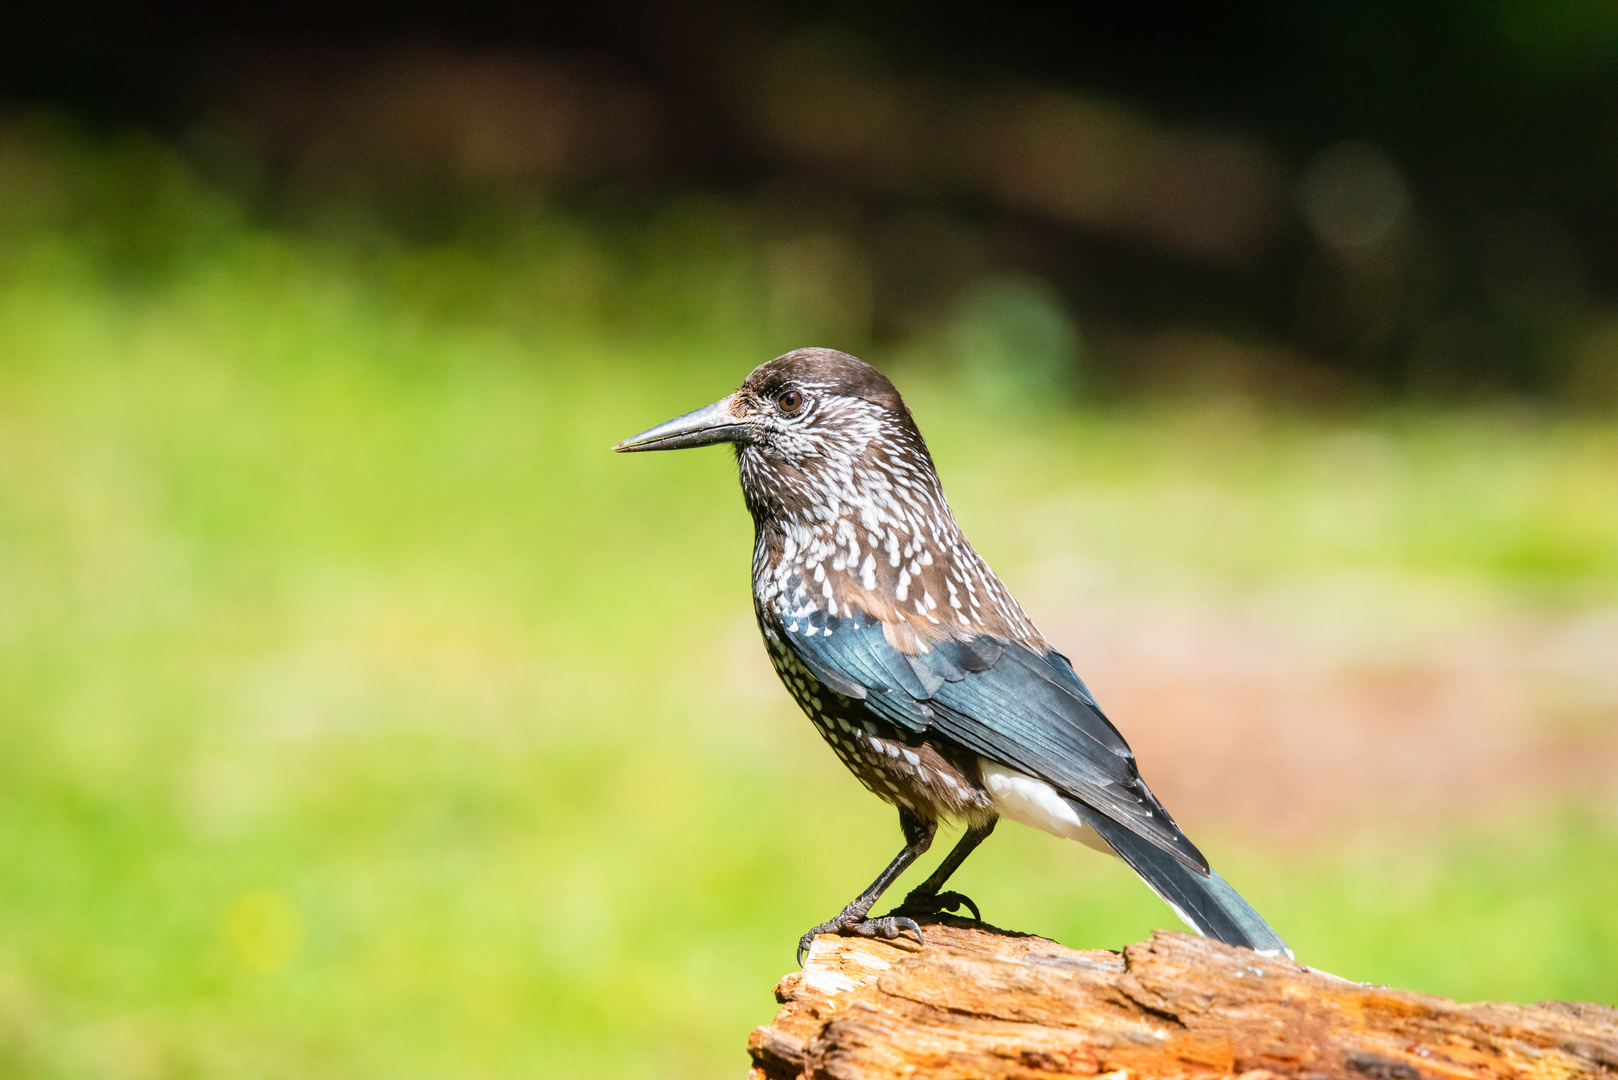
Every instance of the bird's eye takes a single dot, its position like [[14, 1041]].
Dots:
[[790, 402]]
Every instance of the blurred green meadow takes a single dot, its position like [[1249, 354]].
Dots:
[[362, 715]]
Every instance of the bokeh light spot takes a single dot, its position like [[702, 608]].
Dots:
[[1015, 342], [1353, 196], [263, 930]]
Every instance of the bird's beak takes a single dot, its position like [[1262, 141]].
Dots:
[[710, 424]]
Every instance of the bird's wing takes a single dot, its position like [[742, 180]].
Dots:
[[1001, 700]]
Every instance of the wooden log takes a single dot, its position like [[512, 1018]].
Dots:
[[977, 1002]]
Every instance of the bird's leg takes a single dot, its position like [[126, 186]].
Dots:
[[851, 921], [926, 899]]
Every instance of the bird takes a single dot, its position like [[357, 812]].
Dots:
[[913, 660]]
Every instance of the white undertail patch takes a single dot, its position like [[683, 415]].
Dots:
[[1031, 801]]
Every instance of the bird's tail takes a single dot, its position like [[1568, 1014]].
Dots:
[[1207, 904]]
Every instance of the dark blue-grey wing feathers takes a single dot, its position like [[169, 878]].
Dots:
[[1001, 700]]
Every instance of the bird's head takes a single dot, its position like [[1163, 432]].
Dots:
[[843, 492], [802, 424]]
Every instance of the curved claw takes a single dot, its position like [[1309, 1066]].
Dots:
[[891, 926], [887, 927], [938, 904], [953, 902]]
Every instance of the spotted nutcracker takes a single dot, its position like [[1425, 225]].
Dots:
[[913, 660]]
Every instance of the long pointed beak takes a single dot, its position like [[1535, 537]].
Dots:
[[702, 427]]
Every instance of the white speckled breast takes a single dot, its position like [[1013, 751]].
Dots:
[[899, 767]]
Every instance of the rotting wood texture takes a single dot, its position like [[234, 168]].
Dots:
[[978, 1003]]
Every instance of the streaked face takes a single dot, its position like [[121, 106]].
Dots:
[[797, 419]]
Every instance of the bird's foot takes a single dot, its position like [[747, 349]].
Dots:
[[924, 904], [855, 924]]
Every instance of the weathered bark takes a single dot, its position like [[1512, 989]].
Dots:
[[977, 1003]]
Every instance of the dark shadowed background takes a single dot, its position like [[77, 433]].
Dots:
[[359, 713]]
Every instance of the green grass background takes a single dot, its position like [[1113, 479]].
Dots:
[[361, 715]]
